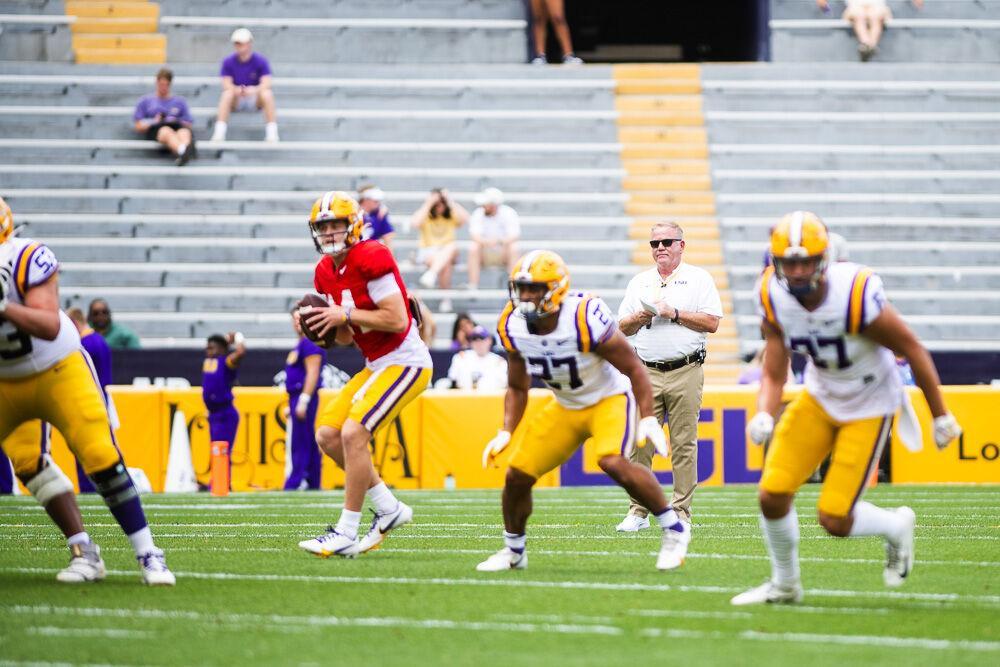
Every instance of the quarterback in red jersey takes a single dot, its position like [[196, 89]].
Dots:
[[368, 305]]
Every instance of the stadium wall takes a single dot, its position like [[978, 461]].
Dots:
[[442, 433]]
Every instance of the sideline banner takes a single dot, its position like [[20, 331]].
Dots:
[[437, 442]]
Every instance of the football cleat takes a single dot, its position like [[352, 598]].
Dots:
[[633, 524], [331, 543], [154, 569], [85, 564], [673, 548], [770, 593], [505, 559], [382, 524], [899, 557]]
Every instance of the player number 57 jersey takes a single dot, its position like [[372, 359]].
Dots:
[[850, 375], [564, 359], [29, 264]]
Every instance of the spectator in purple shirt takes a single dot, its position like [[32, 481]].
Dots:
[[100, 356], [165, 118], [218, 375], [246, 86], [377, 227], [302, 382]]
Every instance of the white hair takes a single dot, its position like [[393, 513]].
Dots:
[[668, 225]]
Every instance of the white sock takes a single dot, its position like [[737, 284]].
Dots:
[[271, 131], [348, 523], [181, 149], [872, 520], [514, 542], [667, 518], [382, 498], [142, 541], [782, 538], [79, 538], [219, 133]]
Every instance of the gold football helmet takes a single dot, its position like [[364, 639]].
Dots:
[[336, 206], [800, 236], [539, 267], [6, 221]]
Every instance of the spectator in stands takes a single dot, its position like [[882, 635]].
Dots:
[[437, 220], [166, 118], [246, 86], [302, 382], [100, 356], [378, 226], [218, 375], [464, 324], [118, 337], [479, 369], [544, 12], [868, 18], [495, 229]]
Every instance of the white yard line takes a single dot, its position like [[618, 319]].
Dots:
[[923, 643], [516, 581], [104, 633]]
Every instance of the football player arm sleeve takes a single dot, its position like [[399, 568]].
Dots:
[[774, 371], [516, 399], [617, 351], [890, 331], [39, 315]]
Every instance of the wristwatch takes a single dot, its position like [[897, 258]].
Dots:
[[677, 317]]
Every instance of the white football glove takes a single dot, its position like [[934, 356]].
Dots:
[[946, 429], [651, 429], [494, 447], [760, 428]]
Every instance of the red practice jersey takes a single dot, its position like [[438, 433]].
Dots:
[[365, 262]]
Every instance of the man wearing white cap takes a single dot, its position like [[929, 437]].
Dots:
[[495, 230], [246, 86], [377, 227]]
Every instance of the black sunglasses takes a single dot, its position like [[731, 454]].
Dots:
[[666, 243]]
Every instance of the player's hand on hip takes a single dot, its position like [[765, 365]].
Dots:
[[494, 447], [946, 429], [760, 428], [650, 429], [324, 320]]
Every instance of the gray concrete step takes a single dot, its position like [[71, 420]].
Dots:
[[869, 229], [469, 9], [901, 9]]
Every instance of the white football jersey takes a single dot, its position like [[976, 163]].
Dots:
[[29, 263], [851, 376], [564, 359]]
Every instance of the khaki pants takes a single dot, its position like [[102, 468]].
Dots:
[[678, 394]]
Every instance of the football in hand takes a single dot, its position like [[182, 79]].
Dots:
[[308, 302]]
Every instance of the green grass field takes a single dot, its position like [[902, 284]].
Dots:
[[246, 594]]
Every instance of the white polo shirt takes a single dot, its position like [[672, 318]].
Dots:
[[687, 288], [504, 225]]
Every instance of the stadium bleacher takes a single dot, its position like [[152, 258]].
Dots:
[[890, 154]]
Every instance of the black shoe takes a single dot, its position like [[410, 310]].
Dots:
[[185, 157]]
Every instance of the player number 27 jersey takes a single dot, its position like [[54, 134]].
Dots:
[[851, 376], [564, 359]]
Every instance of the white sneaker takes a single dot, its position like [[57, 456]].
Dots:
[[899, 558], [673, 548], [331, 543], [633, 523], [382, 524], [271, 134], [427, 279], [770, 593], [219, 134], [154, 569], [505, 559], [85, 564], [445, 306]]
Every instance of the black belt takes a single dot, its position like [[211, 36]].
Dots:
[[672, 365]]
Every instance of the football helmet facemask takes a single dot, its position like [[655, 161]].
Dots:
[[545, 269], [333, 207], [800, 236]]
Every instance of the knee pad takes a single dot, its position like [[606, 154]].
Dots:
[[49, 482], [114, 484]]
